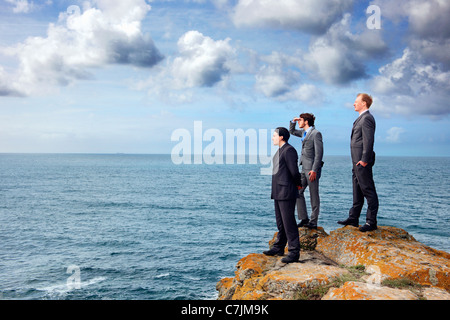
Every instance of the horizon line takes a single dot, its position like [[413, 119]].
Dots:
[[192, 154]]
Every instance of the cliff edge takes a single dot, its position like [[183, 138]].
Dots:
[[385, 264]]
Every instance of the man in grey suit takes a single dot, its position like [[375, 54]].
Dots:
[[285, 183], [311, 162], [363, 158]]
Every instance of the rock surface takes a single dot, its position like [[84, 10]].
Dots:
[[390, 252], [262, 277], [366, 291], [327, 267]]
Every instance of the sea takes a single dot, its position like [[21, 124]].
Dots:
[[139, 227]]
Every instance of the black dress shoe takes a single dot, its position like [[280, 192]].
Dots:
[[274, 252], [368, 227], [349, 222], [303, 223], [290, 258], [311, 226]]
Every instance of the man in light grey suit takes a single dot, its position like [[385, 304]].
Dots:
[[311, 162], [363, 158]]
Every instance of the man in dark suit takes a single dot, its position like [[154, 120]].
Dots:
[[363, 158], [286, 181]]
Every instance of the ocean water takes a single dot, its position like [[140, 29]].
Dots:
[[76, 226]]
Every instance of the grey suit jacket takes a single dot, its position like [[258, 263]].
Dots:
[[363, 138], [312, 148]]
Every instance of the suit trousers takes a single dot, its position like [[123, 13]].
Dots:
[[364, 187], [314, 197], [287, 226]]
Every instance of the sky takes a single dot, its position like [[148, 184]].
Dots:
[[110, 76]]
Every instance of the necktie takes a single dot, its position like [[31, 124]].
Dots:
[[304, 136]]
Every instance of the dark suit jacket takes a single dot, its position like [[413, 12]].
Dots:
[[285, 176], [363, 138]]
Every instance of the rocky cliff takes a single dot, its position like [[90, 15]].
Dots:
[[346, 264]]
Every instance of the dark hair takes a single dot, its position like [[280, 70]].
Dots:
[[283, 132], [308, 117]]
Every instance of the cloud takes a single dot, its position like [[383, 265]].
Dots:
[[393, 134], [6, 88], [412, 86], [417, 82], [107, 34], [426, 18], [428, 26], [339, 56], [272, 81], [280, 78], [336, 55], [307, 93], [276, 77], [201, 61], [311, 16], [22, 6]]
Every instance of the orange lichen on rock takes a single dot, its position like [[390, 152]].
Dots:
[[262, 277], [364, 291], [391, 252], [386, 253]]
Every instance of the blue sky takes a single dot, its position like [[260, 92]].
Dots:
[[107, 76]]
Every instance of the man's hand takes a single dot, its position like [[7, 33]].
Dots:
[[364, 164], [296, 119], [299, 187], [312, 176]]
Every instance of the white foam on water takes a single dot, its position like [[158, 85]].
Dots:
[[64, 288]]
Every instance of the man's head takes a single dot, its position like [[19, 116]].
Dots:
[[363, 102], [306, 119], [280, 136]]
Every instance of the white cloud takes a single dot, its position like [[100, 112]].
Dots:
[[409, 85], [280, 78], [107, 34], [21, 6], [202, 61], [427, 18], [307, 93], [433, 50], [6, 88], [418, 82], [393, 134], [276, 77], [272, 81], [340, 56], [311, 16], [336, 57], [429, 26]]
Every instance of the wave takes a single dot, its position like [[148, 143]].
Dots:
[[65, 288]]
